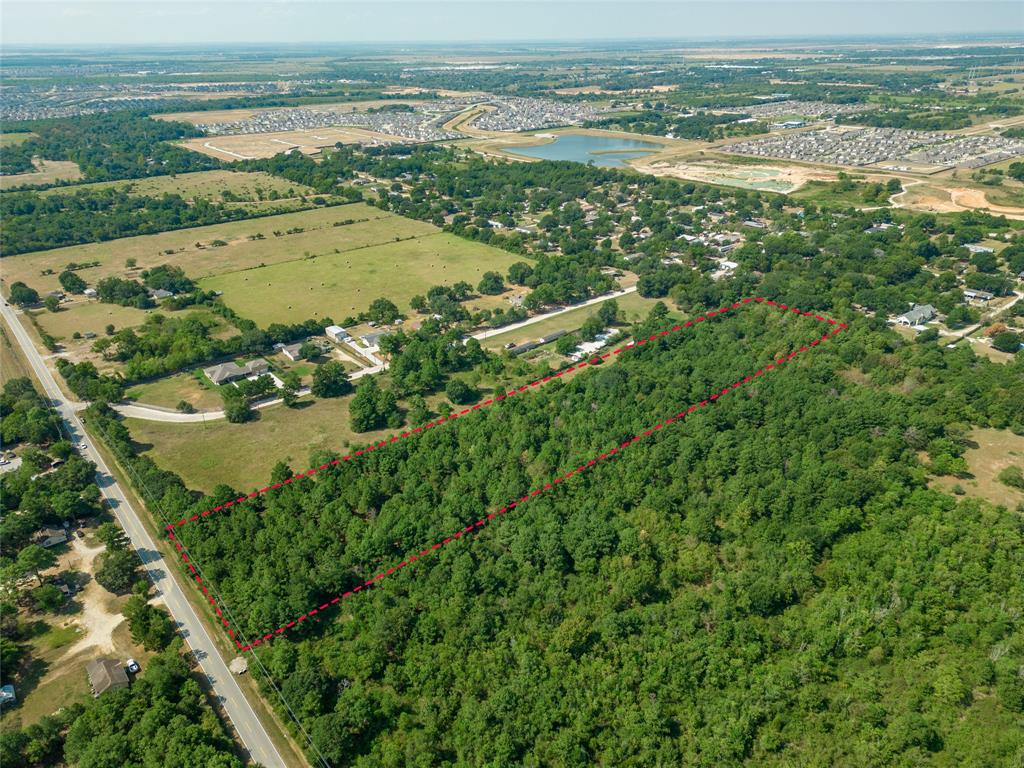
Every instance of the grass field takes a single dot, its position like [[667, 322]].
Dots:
[[827, 193], [83, 316], [993, 451], [12, 366], [242, 455], [171, 390], [47, 172], [8, 139], [203, 184], [342, 284], [191, 249], [633, 307]]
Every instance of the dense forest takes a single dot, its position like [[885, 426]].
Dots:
[[711, 596], [663, 121], [115, 145]]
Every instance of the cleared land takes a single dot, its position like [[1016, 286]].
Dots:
[[248, 187], [248, 146], [193, 250], [233, 115], [7, 139], [341, 284], [632, 306], [47, 172], [993, 450], [242, 455]]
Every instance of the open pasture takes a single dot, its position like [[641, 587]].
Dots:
[[47, 172], [247, 187], [194, 251], [337, 285]]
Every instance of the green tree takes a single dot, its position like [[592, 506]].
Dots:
[[22, 295], [1006, 341], [491, 283], [460, 393], [331, 380], [35, 559], [117, 570]]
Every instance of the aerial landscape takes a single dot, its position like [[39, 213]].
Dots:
[[429, 383]]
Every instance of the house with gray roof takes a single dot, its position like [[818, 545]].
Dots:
[[230, 371], [106, 675], [917, 315]]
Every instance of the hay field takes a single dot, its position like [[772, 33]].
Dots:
[[341, 284], [202, 184], [191, 248]]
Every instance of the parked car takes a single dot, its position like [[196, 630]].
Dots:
[[132, 666], [80, 533]]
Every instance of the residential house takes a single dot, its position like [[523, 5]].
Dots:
[[50, 537], [106, 675], [231, 371], [979, 296], [159, 294], [976, 248], [291, 351], [336, 333], [917, 315]]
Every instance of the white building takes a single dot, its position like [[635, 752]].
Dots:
[[336, 333]]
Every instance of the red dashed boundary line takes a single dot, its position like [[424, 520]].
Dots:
[[484, 404], [511, 505]]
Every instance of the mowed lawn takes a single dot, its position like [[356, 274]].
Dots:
[[242, 455], [632, 308], [337, 285], [193, 250]]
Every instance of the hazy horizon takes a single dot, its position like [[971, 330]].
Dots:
[[77, 23]]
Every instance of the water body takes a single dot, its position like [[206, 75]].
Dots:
[[603, 151]]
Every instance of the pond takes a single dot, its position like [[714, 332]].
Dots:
[[602, 151]]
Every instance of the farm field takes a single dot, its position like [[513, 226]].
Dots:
[[88, 315], [337, 285], [192, 249], [47, 172], [203, 184]]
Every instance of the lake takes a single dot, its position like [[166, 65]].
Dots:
[[603, 151]]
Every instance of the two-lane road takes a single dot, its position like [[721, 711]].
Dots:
[[247, 725]]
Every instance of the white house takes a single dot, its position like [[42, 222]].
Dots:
[[336, 333]]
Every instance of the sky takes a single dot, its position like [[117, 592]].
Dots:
[[147, 22]]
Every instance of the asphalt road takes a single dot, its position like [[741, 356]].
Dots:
[[250, 730]]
